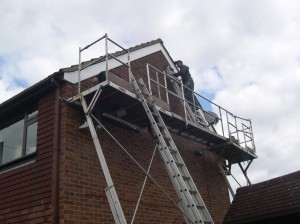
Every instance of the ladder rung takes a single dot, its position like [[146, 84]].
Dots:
[[161, 125], [150, 103], [167, 138], [200, 206], [155, 114], [186, 178], [140, 82], [192, 192], [179, 164], [145, 93], [172, 151]]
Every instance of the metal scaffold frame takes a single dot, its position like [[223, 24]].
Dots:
[[111, 193], [164, 145]]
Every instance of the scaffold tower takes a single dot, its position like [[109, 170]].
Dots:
[[229, 137]]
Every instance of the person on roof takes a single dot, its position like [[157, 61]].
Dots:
[[101, 77], [187, 81]]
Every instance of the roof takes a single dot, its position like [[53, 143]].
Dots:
[[273, 201], [116, 54], [29, 95]]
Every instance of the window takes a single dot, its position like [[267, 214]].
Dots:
[[18, 137]]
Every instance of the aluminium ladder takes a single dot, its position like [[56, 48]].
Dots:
[[191, 202]]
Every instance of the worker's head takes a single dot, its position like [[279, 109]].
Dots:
[[178, 63]]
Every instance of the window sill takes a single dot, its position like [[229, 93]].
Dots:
[[17, 163]]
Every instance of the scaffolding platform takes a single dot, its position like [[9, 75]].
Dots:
[[120, 105], [157, 102]]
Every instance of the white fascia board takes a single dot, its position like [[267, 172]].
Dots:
[[112, 63]]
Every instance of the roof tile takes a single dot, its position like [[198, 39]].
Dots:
[[269, 199]]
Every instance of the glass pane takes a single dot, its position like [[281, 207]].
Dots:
[[31, 138], [12, 137]]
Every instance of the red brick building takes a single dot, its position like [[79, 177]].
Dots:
[[49, 168]]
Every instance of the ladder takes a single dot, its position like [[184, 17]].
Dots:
[[191, 202]]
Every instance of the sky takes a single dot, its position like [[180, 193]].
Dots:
[[243, 55]]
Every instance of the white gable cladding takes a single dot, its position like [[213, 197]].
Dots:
[[101, 66]]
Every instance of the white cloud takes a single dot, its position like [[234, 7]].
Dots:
[[8, 89], [245, 53]]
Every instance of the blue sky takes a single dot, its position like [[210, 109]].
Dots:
[[244, 55]]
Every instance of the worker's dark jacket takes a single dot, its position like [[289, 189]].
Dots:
[[184, 73], [101, 76]]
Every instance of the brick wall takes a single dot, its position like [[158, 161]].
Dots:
[[82, 195], [25, 193]]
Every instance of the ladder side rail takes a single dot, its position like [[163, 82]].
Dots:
[[182, 168], [171, 168], [164, 146], [173, 171], [181, 203], [181, 185], [110, 190]]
